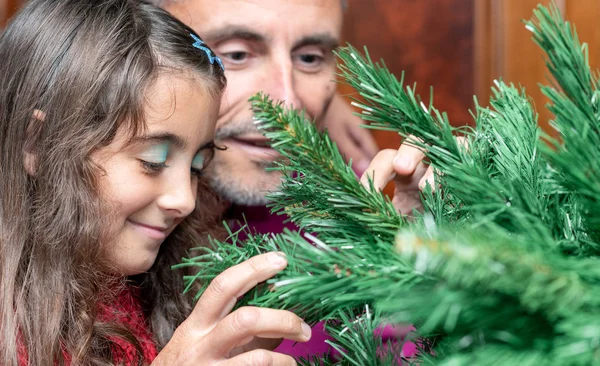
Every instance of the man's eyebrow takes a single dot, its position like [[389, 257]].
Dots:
[[231, 32], [161, 138], [325, 40]]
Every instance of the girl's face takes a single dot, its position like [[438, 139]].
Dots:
[[151, 181]]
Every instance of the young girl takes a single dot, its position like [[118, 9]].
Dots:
[[107, 115]]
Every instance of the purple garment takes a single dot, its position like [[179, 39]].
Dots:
[[261, 221]]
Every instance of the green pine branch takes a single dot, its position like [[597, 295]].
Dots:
[[576, 110], [310, 284], [320, 192], [501, 266], [501, 177]]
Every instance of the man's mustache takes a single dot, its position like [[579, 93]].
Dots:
[[231, 131]]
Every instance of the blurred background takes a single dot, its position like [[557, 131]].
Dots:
[[460, 46], [457, 46]]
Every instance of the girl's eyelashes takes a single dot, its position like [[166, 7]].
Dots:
[[152, 168]]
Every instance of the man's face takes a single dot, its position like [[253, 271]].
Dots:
[[281, 47]]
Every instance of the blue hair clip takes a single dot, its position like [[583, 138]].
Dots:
[[199, 44]]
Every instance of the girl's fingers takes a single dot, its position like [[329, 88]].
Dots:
[[241, 326], [221, 295], [260, 357], [257, 343], [381, 170]]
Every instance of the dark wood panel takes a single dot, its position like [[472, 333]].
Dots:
[[584, 14], [504, 47], [3, 13], [7, 9], [432, 41], [513, 56]]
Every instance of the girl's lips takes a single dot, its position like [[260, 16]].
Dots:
[[154, 232]]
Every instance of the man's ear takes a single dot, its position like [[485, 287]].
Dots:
[[31, 136]]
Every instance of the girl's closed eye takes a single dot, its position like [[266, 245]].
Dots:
[[154, 159]]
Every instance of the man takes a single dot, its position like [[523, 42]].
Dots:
[[285, 49]]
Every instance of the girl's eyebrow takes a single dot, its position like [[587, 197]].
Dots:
[[170, 138], [161, 138]]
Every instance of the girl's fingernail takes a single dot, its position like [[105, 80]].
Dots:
[[306, 330], [277, 258]]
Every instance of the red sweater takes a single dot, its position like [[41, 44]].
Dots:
[[126, 310]]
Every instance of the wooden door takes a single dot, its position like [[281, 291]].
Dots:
[[7, 10], [503, 47], [432, 41]]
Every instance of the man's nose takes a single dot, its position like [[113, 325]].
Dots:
[[281, 84]]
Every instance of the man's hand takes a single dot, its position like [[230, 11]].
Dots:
[[213, 335], [353, 141], [406, 167]]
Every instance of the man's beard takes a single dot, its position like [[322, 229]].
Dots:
[[227, 184], [234, 189]]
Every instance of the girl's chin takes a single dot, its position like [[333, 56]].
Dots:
[[126, 269]]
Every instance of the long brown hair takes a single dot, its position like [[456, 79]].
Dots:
[[73, 72]]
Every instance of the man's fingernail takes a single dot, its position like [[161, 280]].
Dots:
[[429, 180], [306, 330], [402, 162], [277, 258]]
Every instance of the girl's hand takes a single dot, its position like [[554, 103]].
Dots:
[[212, 335]]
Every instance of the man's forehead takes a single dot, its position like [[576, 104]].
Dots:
[[238, 11]]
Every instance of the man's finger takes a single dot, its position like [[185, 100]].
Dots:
[[408, 157], [428, 178], [381, 170], [241, 326], [222, 293]]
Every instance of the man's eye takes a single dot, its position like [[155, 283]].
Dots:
[[309, 62], [235, 57], [310, 59]]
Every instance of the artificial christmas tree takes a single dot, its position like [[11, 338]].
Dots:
[[501, 268]]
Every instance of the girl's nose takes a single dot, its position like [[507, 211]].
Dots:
[[179, 196]]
